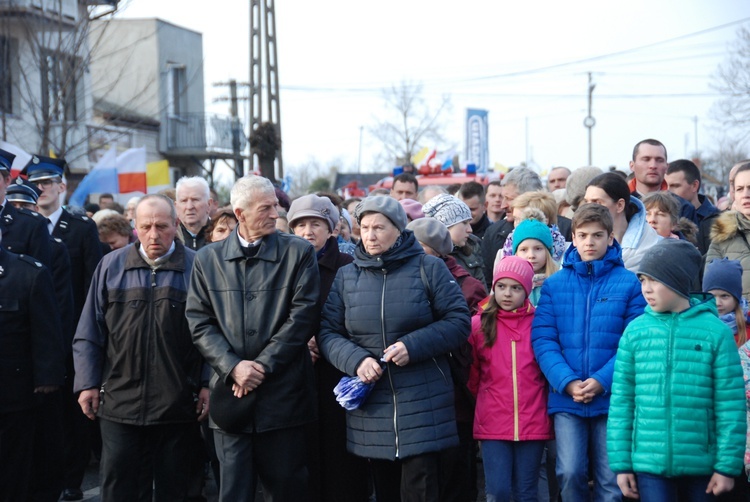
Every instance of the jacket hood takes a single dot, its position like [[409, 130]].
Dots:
[[636, 226], [612, 258], [727, 225], [406, 247]]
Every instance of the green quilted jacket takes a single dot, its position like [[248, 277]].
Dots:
[[678, 402]]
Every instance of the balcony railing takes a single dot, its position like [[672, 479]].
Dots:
[[196, 132]]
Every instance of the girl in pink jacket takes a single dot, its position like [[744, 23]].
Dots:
[[511, 418]]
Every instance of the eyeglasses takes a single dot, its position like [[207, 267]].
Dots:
[[43, 184]]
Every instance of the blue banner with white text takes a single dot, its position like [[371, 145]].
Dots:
[[477, 140]]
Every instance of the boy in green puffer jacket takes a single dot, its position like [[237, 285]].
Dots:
[[676, 428]]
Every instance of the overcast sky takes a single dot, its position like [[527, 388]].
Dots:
[[525, 62]]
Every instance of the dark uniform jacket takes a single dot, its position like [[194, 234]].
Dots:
[[30, 336], [25, 232], [81, 237], [264, 309], [133, 340]]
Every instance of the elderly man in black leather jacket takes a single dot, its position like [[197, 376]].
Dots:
[[252, 309]]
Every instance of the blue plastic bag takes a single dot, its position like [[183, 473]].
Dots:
[[351, 392]]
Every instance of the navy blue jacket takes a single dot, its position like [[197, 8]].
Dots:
[[32, 352], [133, 341], [582, 312], [375, 302]]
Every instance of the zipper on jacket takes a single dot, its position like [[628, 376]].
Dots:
[[585, 368], [668, 391], [515, 389], [147, 347], [440, 370], [385, 345]]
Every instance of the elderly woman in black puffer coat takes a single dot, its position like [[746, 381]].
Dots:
[[391, 318]]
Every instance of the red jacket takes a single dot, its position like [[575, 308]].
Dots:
[[510, 388]]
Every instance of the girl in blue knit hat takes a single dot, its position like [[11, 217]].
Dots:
[[532, 241], [723, 279]]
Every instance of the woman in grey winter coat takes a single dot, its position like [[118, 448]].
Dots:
[[391, 318]]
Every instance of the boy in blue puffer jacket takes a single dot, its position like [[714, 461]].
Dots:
[[583, 311]]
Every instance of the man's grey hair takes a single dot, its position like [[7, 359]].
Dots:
[[247, 188], [195, 182], [524, 179], [157, 196]]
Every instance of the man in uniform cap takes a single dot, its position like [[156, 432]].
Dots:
[[80, 236], [32, 363], [24, 232], [48, 440]]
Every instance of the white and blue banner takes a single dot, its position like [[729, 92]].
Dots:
[[477, 139]]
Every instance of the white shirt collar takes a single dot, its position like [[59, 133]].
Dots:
[[54, 218], [246, 244]]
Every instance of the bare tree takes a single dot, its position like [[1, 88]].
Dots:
[[302, 176], [408, 122], [45, 93], [732, 79], [719, 161]]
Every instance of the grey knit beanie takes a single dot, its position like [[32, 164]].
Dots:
[[385, 205], [575, 186], [449, 210], [673, 262], [433, 233]]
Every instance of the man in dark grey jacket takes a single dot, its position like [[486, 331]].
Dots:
[[136, 366], [252, 309]]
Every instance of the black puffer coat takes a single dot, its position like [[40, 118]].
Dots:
[[375, 302]]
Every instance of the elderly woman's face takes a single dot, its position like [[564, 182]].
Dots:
[[313, 230], [378, 233]]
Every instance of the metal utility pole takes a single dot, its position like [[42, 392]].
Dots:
[[263, 39], [589, 122], [238, 159]]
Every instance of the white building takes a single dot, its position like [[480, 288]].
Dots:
[[45, 99], [148, 86]]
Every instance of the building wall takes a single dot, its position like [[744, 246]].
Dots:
[[124, 65], [23, 124]]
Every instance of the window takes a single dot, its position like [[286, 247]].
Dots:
[[59, 95], [177, 90]]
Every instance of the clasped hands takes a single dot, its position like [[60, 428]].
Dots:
[[369, 369], [247, 376], [584, 391]]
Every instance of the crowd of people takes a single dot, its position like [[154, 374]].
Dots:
[[583, 340]]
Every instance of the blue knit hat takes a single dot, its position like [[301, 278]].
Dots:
[[724, 274], [532, 229]]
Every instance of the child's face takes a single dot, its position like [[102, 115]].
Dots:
[[660, 297], [591, 240], [460, 233], [661, 221], [509, 294], [534, 252], [725, 303]]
